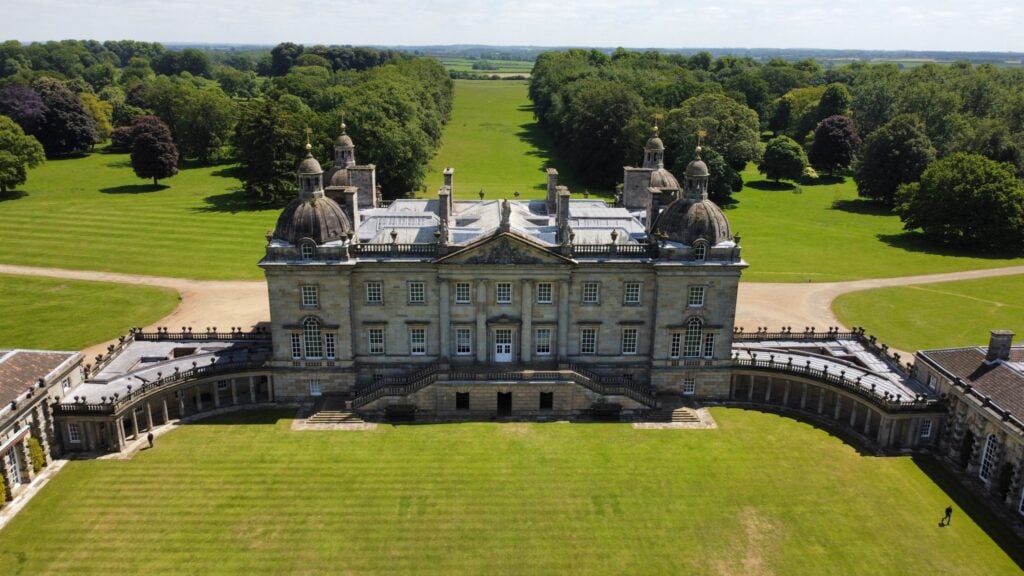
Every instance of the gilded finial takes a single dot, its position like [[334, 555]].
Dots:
[[657, 117], [343, 124], [701, 134], [309, 146]]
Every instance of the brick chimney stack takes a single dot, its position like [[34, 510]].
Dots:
[[999, 345]]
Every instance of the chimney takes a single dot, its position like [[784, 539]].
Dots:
[[352, 206], [552, 190], [444, 208], [562, 213], [999, 346]]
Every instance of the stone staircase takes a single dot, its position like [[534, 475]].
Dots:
[[333, 410], [674, 409]]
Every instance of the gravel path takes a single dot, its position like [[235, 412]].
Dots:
[[244, 303]]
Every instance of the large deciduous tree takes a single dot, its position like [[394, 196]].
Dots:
[[267, 144], [895, 154], [18, 153], [966, 201], [24, 106], [66, 127], [153, 152], [835, 144], [731, 129], [783, 158]]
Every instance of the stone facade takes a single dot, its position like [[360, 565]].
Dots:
[[498, 285], [984, 427]]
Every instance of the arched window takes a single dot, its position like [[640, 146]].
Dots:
[[307, 249], [311, 338], [691, 340], [700, 251], [989, 458]]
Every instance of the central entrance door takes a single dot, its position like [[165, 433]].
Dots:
[[504, 403], [503, 345]]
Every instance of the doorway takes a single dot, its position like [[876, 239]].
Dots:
[[503, 345], [504, 403]]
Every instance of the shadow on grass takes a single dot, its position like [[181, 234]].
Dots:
[[134, 189], [12, 195], [769, 186], [544, 149], [862, 206], [971, 505], [233, 202], [913, 241]]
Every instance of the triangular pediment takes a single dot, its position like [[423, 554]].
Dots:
[[505, 249]]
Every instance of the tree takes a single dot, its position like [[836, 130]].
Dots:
[[835, 144], [966, 201], [18, 153], [267, 144], [66, 127], [123, 137], [835, 101], [731, 129], [100, 112], [723, 180], [154, 154], [283, 56], [897, 153], [24, 106], [783, 158], [35, 452]]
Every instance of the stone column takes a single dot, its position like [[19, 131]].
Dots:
[[215, 390], [481, 321], [135, 425], [821, 399], [750, 390], [444, 325], [199, 399], [526, 337], [26, 460], [119, 432], [563, 320], [785, 394], [853, 414], [803, 395], [839, 405], [40, 428], [252, 389], [149, 417], [234, 393], [867, 419], [768, 390], [884, 424], [181, 403], [270, 387], [167, 414]]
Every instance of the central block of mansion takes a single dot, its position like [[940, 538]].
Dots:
[[452, 304]]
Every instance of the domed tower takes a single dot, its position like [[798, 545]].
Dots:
[[693, 220], [695, 181], [344, 150], [312, 219], [654, 151]]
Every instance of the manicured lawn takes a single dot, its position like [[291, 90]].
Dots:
[[761, 495], [93, 213], [57, 314], [826, 233], [505, 67], [495, 145], [942, 315]]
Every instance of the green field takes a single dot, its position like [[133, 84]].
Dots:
[[93, 213], [942, 315], [760, 495], [57, 314], [505, 67], [495, 145], [825, 233]]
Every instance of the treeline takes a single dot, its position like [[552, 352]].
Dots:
[[886, 125], [71, 95]]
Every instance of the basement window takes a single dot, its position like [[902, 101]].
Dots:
[[547, 400], [462, 400]]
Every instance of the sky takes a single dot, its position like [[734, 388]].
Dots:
[[952, 25]]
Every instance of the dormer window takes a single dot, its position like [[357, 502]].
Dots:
[[307, 250], [700, 251]]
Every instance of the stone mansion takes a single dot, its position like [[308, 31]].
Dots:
[[559, 308]]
